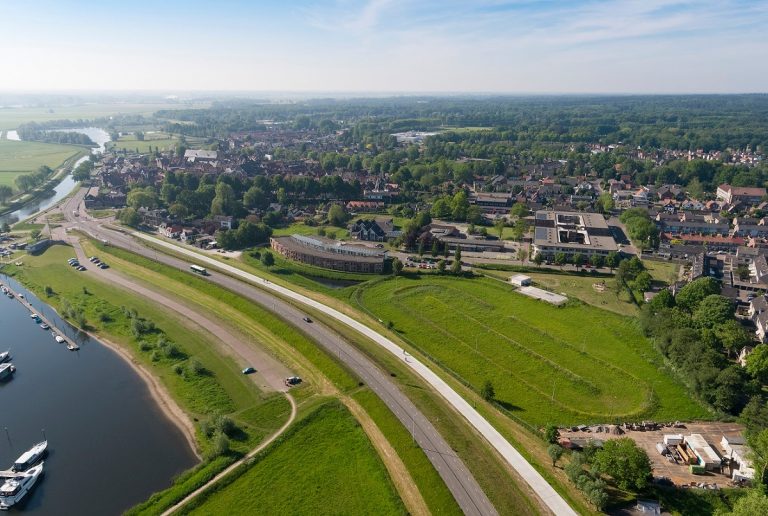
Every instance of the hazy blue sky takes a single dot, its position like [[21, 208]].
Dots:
[[386, 45]]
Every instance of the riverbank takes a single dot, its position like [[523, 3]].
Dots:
[[160, 396]]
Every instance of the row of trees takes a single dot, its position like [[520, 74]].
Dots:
[[696, 332], [27, 182]]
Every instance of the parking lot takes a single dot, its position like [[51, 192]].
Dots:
[[679, 474]]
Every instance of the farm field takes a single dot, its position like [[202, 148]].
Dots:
[[602, 292], [11, 118], [22, 157], [565, 365], [325, 465], [154, 140]]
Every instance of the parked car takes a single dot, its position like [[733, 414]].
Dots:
[[292, 380]]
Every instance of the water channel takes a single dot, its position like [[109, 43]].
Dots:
[[110, 446], [65, 186]]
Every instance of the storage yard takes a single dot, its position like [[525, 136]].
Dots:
[[694, 443]]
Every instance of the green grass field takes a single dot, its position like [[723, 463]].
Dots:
[[299, 228], [325, 465], [155, 140], [563, 365], [22, 157], [583, 288], [11, 118]]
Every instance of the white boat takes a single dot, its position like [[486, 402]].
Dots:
[[45, 326], [5, 355], [72, 346], [33, 315], [59, 338], [29, 457], [16, 488], [6, 370]]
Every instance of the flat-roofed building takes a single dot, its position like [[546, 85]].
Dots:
[[329, 254], [706, 454], [572, 232]]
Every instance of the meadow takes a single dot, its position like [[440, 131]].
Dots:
[[567, 365], [12, 117], [161, 141], [324, 465], [18, 158]]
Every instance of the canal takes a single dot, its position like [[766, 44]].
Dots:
[[110, 446]]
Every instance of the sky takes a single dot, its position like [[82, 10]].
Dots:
[[385, 46]]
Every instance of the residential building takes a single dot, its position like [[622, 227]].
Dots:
[[329, 254], [736, 194]]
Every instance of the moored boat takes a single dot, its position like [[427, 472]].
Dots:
[[30, 457], [6, 370], [16, 488], [58, 338], [5, 355], [72, 346]]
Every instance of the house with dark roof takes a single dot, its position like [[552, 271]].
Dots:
[[371, 230]]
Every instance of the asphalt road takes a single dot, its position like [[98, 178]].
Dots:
[[457, 477]]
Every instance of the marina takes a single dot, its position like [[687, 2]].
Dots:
[[92, 405]]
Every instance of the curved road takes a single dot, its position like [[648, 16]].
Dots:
[[463, 486]]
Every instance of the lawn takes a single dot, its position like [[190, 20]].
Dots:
[[664, 272], [22, 157], [563, 365], [601, 292], [324, 465], [299, 228]]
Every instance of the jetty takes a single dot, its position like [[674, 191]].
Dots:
[[39, 320]]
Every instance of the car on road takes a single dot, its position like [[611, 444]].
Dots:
[[249, 370], [307, 319]]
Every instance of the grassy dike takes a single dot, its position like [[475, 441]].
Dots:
[[201, 381], [436, 495]]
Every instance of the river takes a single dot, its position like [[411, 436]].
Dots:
[[110, 446], [64, 187]]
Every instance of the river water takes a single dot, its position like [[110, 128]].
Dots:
[[65, 186], [109, 444]]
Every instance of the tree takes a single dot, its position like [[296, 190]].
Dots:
[[456, 265], [560, 258], [499, 225], [605, 203], [256, 198], [754, 417], [268, 259], [460, 206], [757, 363], [694, 293], [139, 136], [441, 266], [551, 433], [518, 210], [129, 217], [611, 260], [35, 234], [555, 451], [759, 445], [488, 392], [642, 282], [578, 259], [625, 462], [435, 247], [5, 228], [754, 502], [522, 254], [142, 198], [5, 193], [538, 259], [596, 260], [664, 299], [397, 267], [178, 210], [337, 216], [441, 208], [713, 310]]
